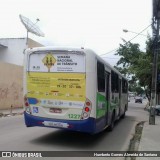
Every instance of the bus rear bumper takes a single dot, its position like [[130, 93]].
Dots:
[[87, 125]]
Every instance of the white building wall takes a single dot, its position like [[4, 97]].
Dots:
[[14, 53]]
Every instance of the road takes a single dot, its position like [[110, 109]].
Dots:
[[14, 136]]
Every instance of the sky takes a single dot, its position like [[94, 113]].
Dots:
[[94, 24]]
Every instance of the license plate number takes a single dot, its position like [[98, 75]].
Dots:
[[55, 110], [55, 124]]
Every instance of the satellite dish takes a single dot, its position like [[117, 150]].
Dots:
[[31, 27]]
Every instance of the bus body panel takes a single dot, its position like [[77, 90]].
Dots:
[[91, 82], [67, 112], [56, 84], [87, 125]]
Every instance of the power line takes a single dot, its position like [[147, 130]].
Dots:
[[110, 58], [139, 33], [109, 52], [128, 41]]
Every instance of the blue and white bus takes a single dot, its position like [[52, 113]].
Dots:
[[72, 89]]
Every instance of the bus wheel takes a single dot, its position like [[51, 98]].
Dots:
[[111, 126]]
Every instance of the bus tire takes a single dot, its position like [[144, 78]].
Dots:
[[111, 126]]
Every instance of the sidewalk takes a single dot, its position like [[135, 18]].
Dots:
[[8, 112], [150, 139]]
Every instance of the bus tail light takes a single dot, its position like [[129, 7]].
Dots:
[[86, 109], [26, 105]]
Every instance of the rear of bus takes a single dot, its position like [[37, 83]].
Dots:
[[55, 90]]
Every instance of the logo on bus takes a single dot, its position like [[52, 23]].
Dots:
[[49, 61]]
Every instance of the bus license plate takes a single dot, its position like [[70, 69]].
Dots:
[[55, 110], [56, 124]]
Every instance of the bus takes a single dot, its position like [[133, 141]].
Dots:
[[72, 89]]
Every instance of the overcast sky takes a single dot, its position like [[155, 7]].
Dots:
[[95, 24]]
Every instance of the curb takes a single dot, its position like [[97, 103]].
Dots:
[[8, 115], [135, 140]]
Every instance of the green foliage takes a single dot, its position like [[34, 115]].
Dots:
[[136, 63], [129, 53], [139, 90]]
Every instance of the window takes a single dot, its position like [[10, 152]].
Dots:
[[100, 77], [114, 82], [158, 82], [124, 86], [107, 75]]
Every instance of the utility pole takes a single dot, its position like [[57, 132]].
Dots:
[[155, 28]]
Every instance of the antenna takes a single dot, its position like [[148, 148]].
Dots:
[[31, 27]]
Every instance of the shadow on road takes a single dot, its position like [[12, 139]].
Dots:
[[83, 141]]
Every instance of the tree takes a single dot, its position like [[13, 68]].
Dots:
[[136, 63]]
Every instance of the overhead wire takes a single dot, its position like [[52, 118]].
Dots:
[[127, 41]]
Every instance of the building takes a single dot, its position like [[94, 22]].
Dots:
[[11, 70], [11, 49]]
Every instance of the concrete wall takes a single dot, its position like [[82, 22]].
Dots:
[[14, 53], [32, 43], [11, 70], [10, 85]]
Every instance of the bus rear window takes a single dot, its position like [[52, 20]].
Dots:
[[53, 61]]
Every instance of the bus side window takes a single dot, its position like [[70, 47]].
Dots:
[[100, 77], [107, 86], [124, 86], [114, 82]]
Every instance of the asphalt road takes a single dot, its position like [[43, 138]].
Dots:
[[15, 136]]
